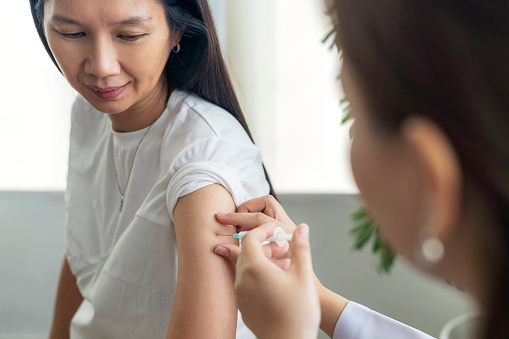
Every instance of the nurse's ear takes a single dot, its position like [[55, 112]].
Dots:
[[440, 174]]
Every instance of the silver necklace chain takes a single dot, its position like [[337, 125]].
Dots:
[[122, 191]]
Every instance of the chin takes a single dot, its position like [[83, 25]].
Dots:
[[112, 107]]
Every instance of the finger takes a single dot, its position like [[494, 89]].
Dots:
[[228, 251], [248, 221], [256, 204], [270, 206], [252, 241], [301, 252], [232, 251], [267, 205], [244, 220], [252, 254], [273, 250], [283, 264]]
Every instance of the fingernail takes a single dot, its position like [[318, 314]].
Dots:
[[222, 251], [221, 214], [304, 231]]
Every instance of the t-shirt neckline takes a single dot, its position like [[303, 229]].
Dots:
[[129, 139]]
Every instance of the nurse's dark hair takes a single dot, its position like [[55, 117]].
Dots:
[[448, 61], [199, 67]]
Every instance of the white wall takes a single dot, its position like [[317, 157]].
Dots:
[[31, 251]]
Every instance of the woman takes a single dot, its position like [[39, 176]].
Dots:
[[428, 87], [158, 145]]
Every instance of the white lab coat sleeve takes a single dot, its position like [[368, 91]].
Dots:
[[359, 322]]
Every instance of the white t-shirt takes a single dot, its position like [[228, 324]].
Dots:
[[125, 262]]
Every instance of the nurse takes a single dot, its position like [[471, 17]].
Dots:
[[428, 84], [158, 146]]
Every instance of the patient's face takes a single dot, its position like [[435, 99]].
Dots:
[[384, 171], [113, 52]]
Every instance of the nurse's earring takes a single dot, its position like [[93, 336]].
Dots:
[[176, 49], [431, 249]]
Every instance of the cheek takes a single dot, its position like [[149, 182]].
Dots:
[[389, 189], [68, 58], [148, 61], [368, 169]]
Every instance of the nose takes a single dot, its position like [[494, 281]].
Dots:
[[102, 59]]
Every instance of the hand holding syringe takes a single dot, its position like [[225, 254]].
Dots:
[[279, 237]]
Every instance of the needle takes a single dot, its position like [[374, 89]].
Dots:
[[280, 237]]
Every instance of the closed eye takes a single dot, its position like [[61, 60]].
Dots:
[[72, 35], [131, 37]]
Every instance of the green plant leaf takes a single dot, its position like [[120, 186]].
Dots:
[[359, 214], [362, 235], [346, 118], [329, 35], [385, 259], [362, 232]]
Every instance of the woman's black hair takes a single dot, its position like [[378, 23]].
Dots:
[[199, 67], [446, 60]]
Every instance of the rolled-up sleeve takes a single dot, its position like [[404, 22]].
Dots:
[[216, 160]]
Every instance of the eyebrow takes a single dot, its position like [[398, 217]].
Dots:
[[134, 20], [131, 21], [63, 20]]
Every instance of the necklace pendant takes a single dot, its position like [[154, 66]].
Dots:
[[121, 202], [120, 191]]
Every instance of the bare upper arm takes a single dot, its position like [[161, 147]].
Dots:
[[204, 303], [195, 213]]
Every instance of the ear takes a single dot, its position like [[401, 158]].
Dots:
[[176, 36], [441, 174]]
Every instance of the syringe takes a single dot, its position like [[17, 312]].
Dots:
[[279, 237]]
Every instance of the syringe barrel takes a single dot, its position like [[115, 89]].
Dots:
[[283, 236]]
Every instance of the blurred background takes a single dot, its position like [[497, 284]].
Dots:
[[286, 78]]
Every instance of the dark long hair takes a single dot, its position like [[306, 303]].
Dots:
[[447, 60], [199, 67]]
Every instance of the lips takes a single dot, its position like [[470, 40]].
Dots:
[[107, 93]]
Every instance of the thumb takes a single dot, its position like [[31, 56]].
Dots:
[[301, 251], [228, 251]]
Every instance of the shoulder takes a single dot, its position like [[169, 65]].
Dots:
[[201, 119], [200, 130], [214, 118], [207, 145]]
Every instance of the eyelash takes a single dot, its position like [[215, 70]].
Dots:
[[78, 35], [72, 35], [131, 37]]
